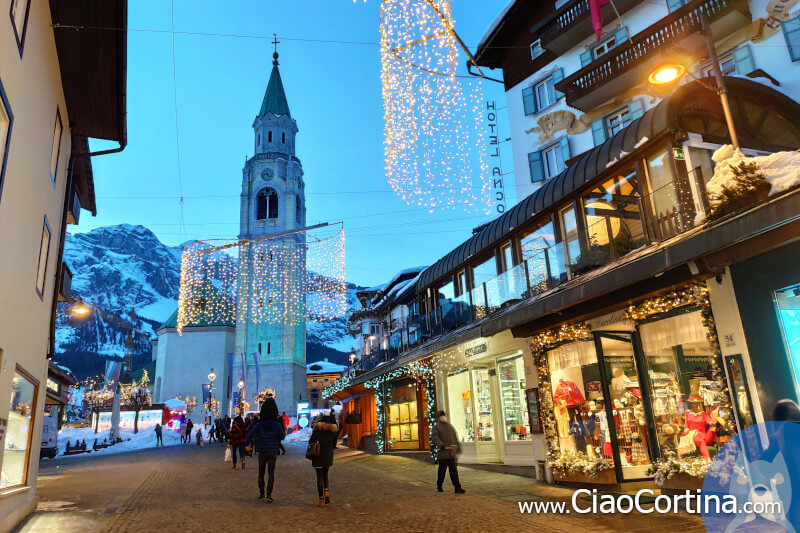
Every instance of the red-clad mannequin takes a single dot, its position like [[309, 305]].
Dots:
[[703, 423]]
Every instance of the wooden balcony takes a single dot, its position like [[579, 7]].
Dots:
[[572, 24], [630, 63]]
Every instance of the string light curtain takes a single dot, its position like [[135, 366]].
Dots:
[[434, 136], [287, 280]]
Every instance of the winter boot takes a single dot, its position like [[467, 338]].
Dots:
[[327, 497], [262, 497], [321, 502]]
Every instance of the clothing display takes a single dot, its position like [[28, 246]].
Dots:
[[705, 430], [569, 392]]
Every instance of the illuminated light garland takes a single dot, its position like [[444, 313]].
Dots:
[[434, 139], [281, 281]]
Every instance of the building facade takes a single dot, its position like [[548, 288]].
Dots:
[[56, 90], [318, 376], [270, 325], [639, 315]]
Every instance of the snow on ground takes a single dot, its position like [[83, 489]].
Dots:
[[299, 436], [146, 438]]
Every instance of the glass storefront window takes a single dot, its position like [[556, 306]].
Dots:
[[483, 404], [459, 396], [540, 251], [579, 405], [402, 416], [787, 302], [686, 396], [663, 196], [511, 375], [18, 432], [630, 423]]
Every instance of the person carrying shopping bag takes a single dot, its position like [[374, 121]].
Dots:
[[266, 437], [320, 451], [238, 436]]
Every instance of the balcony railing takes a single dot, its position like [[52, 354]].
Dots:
[[572, 24], [648, 47]]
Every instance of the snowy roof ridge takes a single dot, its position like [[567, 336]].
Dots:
[[494, 26]]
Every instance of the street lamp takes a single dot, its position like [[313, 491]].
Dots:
[[80, 309], [353, 357], [241, 398], [669, 74], [212, 376]]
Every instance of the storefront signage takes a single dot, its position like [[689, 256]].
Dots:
[[475, 350], [677, 154], [532, 397], [303, 414], [498, 192], [616, 319]]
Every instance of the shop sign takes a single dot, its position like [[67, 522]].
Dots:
[[303, 414], [475, 350], [617, 319]]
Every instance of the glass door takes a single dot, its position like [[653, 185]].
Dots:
[[627, 405]]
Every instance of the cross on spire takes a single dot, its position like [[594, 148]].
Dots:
[[275, 42]]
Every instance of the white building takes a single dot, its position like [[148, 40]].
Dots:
[[57, 88]]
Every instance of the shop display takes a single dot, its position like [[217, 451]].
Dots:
[[484, 430], [511, 373], [402, 416], [18, 432], [460, 405]]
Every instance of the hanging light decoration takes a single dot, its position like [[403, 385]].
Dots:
[[434, 142], [286, 280]]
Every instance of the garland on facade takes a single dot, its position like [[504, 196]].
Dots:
[[338, 386], [664, 469], [539, 346], [418, 371], [579, 463]]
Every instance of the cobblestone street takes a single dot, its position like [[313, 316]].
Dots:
[[189, 489]]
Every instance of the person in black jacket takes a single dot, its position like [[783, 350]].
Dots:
[[266, 437], [325, 433]]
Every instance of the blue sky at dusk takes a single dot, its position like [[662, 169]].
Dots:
[[334, 93]]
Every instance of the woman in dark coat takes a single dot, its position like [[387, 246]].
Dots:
[[325, 433], [238, 434], [266, 437]]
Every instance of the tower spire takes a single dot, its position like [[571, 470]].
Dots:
[[275, 97]]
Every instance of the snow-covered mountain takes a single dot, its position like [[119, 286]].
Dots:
[[125, 267]]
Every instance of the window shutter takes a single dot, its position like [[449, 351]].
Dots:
[[673, 5], [599, 131], [636, 109], [535, 164], [528, 100], [586, 58], [791, 31], [620, 36], [744, 60], [558, 75], [565, 153]]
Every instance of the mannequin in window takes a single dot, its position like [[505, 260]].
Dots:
[[701, 425], [619, 383]]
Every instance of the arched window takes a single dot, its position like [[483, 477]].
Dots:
[[299, 207], [258, 137], [283, 137], [266, 204], [269, 136]]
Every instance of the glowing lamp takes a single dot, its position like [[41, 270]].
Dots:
[[667, 74], [81, 309], [212, 376]]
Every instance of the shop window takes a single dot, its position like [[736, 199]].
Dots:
[[613, 218], [663, 198], [459, 402], [402, 417], [787, 303], [516, 418], [685, 394], [582, 425], [630, 423], [18, 432], [484, 416], [570, 237]]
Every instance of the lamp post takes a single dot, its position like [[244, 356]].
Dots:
[[211, 377], [241, 397], [669, 74]]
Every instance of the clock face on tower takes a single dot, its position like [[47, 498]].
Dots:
[[267, 174]]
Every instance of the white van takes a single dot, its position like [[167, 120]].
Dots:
[[49, 437]]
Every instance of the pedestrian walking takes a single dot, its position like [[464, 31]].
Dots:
[[266, 437], [159, 439], [238, 436], [199, 436], [183, 433], [285, 421], [325, 434], [189, 426], [445, 438]]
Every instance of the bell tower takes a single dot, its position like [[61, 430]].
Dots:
[[270, 328]]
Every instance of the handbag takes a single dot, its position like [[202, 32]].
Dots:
[[228, 456], [686, 444], [313, 450]]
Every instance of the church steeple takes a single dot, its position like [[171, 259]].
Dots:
[[275, 98]]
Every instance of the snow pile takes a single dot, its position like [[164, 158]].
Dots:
[[780, 169], [299, 436], [146, 438]]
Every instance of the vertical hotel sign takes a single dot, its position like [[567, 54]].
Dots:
[[498, 193]]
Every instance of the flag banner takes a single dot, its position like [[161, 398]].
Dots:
[[230, 375], [113, 369], [258, 384], [596, 8], [206, 393]]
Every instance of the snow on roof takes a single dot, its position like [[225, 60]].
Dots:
[[175, 404], [324, 367], [495, 24]]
